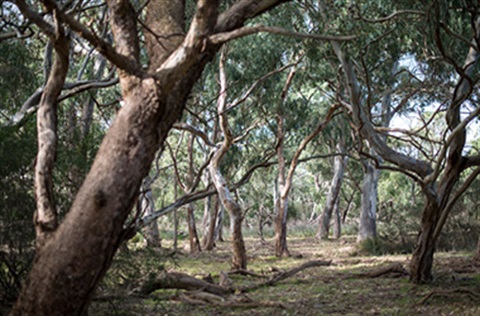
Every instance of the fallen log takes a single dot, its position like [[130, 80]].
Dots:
[[178, 280]]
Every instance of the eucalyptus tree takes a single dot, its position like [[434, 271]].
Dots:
[[437, 175], [333, 195], [73, 256]]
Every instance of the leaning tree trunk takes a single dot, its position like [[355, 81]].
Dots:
[[72, 260], [422, 258], [333, 193], [368, 212]]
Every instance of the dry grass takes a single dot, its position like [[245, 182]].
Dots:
[[333, 290]]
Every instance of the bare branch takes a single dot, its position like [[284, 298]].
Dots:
[[221, 38], [391, 16], [46, 213], [195, 131]]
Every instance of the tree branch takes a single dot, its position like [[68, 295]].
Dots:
[[46, 213], [221, 38]]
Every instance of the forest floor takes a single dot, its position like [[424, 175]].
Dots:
[[353, 284]]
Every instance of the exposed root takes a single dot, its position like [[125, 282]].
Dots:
[[448, 293]]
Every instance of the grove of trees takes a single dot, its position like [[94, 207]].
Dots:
[[117, 115]]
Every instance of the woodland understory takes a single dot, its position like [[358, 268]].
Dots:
[[239, 156]]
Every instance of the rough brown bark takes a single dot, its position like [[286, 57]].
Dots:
[[69, 266]]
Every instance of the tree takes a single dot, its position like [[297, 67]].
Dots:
[[439, 181], [333, 196], [72, 257]]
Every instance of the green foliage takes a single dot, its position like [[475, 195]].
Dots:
[[16, 208]]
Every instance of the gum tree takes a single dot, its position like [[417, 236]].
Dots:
[[73, 256]]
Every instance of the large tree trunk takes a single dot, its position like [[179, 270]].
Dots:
[[333, 193], [75, 257], [368, 212]]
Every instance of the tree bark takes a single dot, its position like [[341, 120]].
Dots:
[[439, 200], [337, 222], [281, 202], [333, 193], [147, 207], [45, 217], [192, 230], [239, 259], [77, 254], [210, 235], [368, 213]]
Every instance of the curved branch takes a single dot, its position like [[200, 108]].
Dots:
[[221, 38], [46, 213]]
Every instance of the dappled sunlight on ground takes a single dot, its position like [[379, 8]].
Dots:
[[351, 285]]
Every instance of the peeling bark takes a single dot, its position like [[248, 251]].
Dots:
[[239, 259], [45, 217]]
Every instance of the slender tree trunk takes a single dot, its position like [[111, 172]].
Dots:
[[175, 216], [333, 193], [219, 225], [281, 203], [368, 213], [239, 259], [210, 234], [147, 207], [337, 220], [192, 230]]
